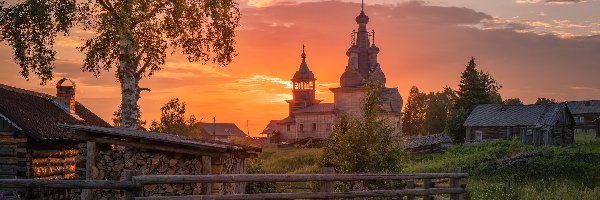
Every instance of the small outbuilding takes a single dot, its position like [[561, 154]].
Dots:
[[108, 152], [586, 115], [531, 124], [224, 132]]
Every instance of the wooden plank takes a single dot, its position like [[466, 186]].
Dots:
[[9, 160], [12, 140], [326, 186], [206, 170], [90, 163], [455, 183], [7, 170], [427, 184], [7, 152], [132, 193], [314, 195], [66, 184], [410, 184], [231, 178]]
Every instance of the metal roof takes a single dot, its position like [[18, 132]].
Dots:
[[584, 107]]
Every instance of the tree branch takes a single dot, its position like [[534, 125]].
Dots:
[[106, 5], [143, 68], [148, 15]]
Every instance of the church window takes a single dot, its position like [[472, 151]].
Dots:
[[314, 127], [301, 127], [288, 127], [328, 127]]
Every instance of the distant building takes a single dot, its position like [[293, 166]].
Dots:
[[309, 118], [586, 115], [224, 132], [531, 124], [32, 146]]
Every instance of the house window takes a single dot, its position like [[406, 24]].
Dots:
[[478, 136], [288, 127], [328, 127], [301, 127], [314, 127]]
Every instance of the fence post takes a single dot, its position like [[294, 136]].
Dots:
[[455, 183], [426, 185], [410, 184], [206, 170], [326, 186], [90, 164], [128, 176]]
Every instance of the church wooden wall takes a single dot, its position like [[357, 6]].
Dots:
[[323, 123]]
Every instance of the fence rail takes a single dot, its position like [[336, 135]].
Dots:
[[418, 184]]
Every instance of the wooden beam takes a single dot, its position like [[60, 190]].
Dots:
[[66, 184], [232, 178], [132, 193], [90, 164], [326, 186], [314, 195], [206, 170]]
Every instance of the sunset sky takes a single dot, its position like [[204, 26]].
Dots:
[[533, 48]]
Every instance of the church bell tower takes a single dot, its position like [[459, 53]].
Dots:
[[303, 87]]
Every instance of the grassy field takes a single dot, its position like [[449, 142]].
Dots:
[[563, 172]]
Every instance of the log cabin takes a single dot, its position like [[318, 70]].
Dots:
[[586, 115], [31, 145], [531, 124]]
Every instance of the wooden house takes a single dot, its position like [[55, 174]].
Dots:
[[586, 115], [224, 132], [531, 124], [31, 145], [108, 152]]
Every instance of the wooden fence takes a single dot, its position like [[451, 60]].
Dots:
[[425, 185]]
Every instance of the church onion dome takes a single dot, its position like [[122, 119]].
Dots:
[[351, 78], [373, 49], [392, 98], [362, 18], [304, 73], [377, 76]]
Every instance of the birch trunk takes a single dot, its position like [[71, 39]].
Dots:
[[130, 90]]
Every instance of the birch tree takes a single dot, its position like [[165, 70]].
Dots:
[[131, 37]]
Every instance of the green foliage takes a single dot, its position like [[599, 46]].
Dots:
[[476, 87], [427, 113], [364, 145], [254, 166], [30, 28], [117, 118], [173, 121], [545, 101], [413, 118], [513, 101]]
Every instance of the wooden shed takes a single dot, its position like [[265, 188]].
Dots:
[[531, 124], [586, 115], [31, 145], [108, 152]]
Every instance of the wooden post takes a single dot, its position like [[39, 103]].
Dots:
[[90, 164], [410, 184], [455, 183], [127, 176], [206, 170], [426, 185], [326, 186]]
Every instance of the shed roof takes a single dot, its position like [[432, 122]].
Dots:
[[272, 127], [514, 115], [584, 107], [154, 139], [223, 129], [37, 114]]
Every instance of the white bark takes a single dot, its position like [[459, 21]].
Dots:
[[130, 90]]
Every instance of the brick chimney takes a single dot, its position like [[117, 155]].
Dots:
[[65, 95]]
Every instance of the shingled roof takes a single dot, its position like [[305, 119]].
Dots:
[[223, 129], [584, 107], [130, 135], [515, 115], [37, 115]]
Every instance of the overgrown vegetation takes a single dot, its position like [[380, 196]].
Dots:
[[562, 172], [366, 144]]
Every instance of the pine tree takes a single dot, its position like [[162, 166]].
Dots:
[[476, 87]]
